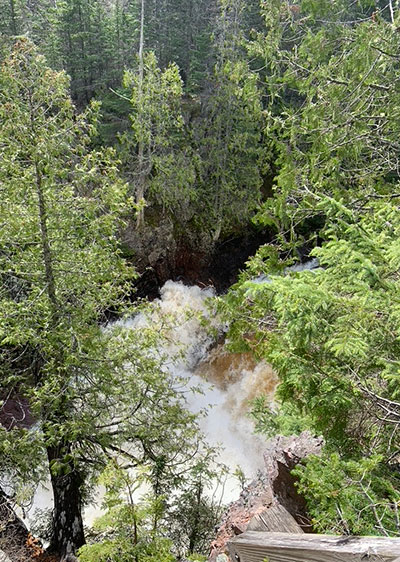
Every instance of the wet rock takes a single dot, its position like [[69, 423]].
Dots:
[[152, 250], [271, 501], [161, 253], [281, 456]]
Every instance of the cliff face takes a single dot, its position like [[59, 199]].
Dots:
[[161, 254], [271, 502]]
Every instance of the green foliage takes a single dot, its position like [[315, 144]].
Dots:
[[332, 117], [155, 102], [284, 419], [12, 14], [321, 116], [230, 172], [179, 31], [114, 116], [153, 526], [95, 394], [92, 41], [357, 497], [332, 336], [229, 135], [203, 172], [126, 531], [60, 270], [156, 159], [194, 513], [197, 558]]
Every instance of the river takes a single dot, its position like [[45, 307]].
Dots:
[[227, 382]]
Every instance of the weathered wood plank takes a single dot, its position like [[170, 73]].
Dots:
[[284, 547], [275, 518]]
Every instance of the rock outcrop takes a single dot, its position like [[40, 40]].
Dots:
[[271, 502], [160, 253]]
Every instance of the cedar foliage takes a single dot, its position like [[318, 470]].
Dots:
[[226, 98], [92, 392], [331, 75]]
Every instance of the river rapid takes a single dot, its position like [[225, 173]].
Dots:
[[227, 382]]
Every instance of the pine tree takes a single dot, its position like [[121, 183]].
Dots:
[[332, 337], [332, 115], [155, 164], [11, 21]]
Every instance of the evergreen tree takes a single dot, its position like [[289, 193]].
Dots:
[[86, 47], [331, 334], [152, 158], [180, 31], [125, 529], [91, 393], [53, 190], [125, 18], [332, 115], [229, 137], [11, 22], [157, 526]]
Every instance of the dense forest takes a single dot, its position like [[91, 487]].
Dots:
[[174, 127]]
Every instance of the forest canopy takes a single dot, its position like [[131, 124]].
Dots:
[[221, 119]]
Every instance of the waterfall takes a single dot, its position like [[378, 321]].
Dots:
[[227, 381]]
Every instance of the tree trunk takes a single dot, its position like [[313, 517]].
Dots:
[[13, 18], [196, 519], [141, 181], [140, 188], [68, 534], [47, 257]]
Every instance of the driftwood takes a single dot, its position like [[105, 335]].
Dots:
[[285, 547]]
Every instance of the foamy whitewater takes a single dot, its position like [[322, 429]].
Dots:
[[227, 382]]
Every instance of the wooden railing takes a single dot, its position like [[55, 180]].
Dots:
[[256, 546]]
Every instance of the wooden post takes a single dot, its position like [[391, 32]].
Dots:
[[254, 546]]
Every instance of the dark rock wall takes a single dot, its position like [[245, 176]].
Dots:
[[159, 254]]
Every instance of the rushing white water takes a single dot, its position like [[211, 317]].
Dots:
[[227, 382], [309, 265]]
